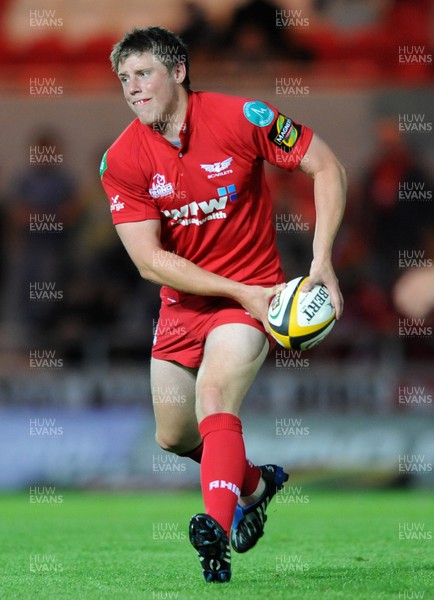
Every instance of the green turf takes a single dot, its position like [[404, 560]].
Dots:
[[102, 546]]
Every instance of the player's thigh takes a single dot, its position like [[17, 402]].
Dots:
[[173, 400], [234, 353]]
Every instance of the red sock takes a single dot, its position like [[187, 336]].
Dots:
[[252, 476], [252, 473], [222, 466]]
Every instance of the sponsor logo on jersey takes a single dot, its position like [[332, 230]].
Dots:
[[198, 213], [103, 165], [115, 205], [284, 133], [160, 187], [258, 113], [218, 169]]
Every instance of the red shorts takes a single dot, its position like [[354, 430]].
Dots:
[[183, 325]]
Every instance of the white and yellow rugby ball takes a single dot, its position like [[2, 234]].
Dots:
[[300, 320]]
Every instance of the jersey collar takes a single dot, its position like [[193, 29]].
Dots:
[[186, 129]]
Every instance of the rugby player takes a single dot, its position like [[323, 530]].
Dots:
[[191, 205]]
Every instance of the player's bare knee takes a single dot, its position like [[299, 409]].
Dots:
[[210, 400], [168, 444], [174, 444]]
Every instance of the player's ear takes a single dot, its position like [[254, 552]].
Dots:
[[180, 72]]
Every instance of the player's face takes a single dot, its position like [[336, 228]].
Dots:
[[150, 90]]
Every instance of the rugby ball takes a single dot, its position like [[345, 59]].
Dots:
[[300, 320]]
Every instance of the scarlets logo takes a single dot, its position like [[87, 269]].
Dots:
[[160, 187], [218, 169]]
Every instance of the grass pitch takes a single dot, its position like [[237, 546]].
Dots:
[[331, 545]]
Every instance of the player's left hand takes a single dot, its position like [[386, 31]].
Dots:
[[324, 273]]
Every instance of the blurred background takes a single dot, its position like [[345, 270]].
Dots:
[[76, 321]]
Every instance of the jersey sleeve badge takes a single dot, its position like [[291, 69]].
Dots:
[[103, 165], [258, 113], [284, 133]]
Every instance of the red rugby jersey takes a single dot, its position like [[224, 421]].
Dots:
[[210, 194]]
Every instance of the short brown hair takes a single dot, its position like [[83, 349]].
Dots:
[[165, 45]]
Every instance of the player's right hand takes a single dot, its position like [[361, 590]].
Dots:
[[256, 300]]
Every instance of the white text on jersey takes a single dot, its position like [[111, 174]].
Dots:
[[213, 208]]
